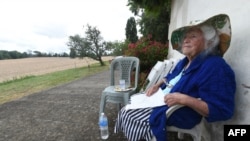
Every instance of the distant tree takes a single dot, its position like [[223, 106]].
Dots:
[[91, 46], [149, 6], [72, 53], [37, 53], [79, 45], [55, 55], [25, 55], [156, 26], [15, 54], [118, 48], [131, 30], [12, 55], [154, 17], [4, 55], [64, 54]]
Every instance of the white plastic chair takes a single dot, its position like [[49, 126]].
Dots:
[[199, 132], [121, 68], [168, 67], [153, 75], [160, 69]]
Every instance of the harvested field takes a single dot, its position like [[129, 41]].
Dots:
[[17, 68]]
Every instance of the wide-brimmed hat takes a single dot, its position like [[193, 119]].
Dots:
[[220, 22]]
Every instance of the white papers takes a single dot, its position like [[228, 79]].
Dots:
[[143, 101]]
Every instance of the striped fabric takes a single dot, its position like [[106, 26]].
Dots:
[[134, 123]]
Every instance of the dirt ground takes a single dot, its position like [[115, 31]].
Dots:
[[16, 68], [67, 112]]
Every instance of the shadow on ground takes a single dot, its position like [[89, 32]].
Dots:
[[65, 113]]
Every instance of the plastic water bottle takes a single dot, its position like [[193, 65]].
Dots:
[[103, 123]]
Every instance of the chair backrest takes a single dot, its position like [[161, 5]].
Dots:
[[160, 69], [125, 66], [153, 75], [169, 65]]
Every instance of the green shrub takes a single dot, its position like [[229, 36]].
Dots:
[[149, 52]]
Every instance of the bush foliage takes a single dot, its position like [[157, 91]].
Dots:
[[148, 51]]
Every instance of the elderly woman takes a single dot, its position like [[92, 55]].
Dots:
[[202, 81]]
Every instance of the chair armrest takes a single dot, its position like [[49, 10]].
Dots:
[[172, 109]]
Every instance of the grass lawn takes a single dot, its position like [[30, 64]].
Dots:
[[15, 89]]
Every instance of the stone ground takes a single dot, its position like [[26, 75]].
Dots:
[[67, 112]]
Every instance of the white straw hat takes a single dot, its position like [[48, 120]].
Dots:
[[221, 24]]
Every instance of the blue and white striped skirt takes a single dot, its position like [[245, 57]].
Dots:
[[134, 123]]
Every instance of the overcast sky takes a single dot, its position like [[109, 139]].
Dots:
[[45, 25]]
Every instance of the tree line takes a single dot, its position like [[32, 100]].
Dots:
[[4, 54]]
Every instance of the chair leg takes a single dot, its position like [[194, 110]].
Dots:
[[126, 99], [195, 138], [102, 104], [119, 106], [180, 136]]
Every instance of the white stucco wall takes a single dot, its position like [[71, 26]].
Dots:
[[184, 11]]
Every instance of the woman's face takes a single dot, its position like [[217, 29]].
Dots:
[[193, 43]]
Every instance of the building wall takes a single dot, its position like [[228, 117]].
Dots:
[[237, 56]]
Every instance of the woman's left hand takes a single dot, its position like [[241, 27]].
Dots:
[[175, 98], [195, 103]]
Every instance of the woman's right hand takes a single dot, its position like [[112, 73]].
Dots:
[[152, 90]]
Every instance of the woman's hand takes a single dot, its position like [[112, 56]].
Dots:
[[175, 98], [152, 90], [195, 103]]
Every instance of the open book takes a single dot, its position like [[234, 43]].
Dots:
[[143, 101]]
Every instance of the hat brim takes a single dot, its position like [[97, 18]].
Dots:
[[220, 22]]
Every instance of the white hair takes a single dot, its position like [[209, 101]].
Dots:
[[211, 39]]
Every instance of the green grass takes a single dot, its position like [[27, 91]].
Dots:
[[17, 88]]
